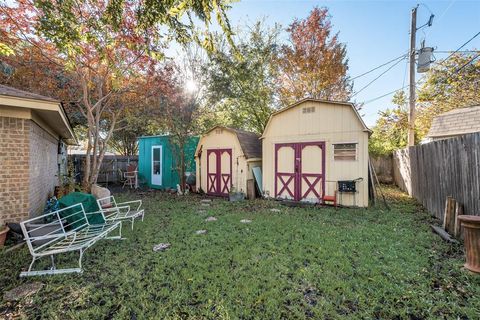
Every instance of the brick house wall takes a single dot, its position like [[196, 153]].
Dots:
[[28, 168], [43, 169], [14, 171]]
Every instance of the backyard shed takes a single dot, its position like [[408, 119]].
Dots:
[[34, 132], [225, 158], [311, 145], [157, 161]]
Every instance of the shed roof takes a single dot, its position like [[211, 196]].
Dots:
[[13, 92], [456, 122], [249, 141], [293, 105]]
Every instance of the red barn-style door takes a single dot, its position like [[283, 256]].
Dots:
[[300, 171], [219, 171]]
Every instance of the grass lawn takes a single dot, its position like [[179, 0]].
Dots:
[[298, 263]]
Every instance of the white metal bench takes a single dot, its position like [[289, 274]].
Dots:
[[114, 211], [67, 230]]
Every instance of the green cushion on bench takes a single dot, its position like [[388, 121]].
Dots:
[[89, 204]]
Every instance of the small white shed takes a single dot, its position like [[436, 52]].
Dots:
[[311, 145]]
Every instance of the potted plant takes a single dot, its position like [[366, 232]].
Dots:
[[471, 231], [3, 233], [235, 195]]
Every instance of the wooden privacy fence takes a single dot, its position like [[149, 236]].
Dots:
[[110, 169], [433, 171], [383, 166]]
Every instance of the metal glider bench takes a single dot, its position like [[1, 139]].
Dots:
[[62, 231], [114, 211]]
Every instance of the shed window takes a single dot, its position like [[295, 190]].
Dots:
[[345, 151], [308, 110]]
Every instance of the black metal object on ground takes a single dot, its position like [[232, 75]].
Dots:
[[347, 186]]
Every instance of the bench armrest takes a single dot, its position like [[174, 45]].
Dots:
[[51, 236], [112, 213], [138, 202]]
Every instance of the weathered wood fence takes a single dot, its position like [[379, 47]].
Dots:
[[433, 171], [383, 166], [110, 171]]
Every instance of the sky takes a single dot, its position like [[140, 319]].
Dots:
[[374, 33]]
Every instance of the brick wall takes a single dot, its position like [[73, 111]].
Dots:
[[28, 168], [14, 171], [43, 168]]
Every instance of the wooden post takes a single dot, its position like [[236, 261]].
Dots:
[[250, 189], [449, 216]]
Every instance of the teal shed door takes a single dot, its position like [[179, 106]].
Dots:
[[157, 164]]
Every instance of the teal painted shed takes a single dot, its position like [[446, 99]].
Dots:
[[157, 161]]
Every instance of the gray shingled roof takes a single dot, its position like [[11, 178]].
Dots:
[[456, 122], [250, 143], [12, 92]]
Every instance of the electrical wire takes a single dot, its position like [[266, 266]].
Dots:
[[459, 48], [441, 16], [384, 95], [381, 74], [422, 78], [378, 67], [466, 64], [449, 76], [464, 51]]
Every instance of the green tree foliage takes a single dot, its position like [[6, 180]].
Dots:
[[135, 123], [451, 84], [390, 131], [178, 19], [241, 91], [5, 50]]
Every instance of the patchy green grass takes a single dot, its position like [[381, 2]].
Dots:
[[299, 263]]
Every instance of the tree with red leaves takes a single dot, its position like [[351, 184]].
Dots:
[[314, 65], [109, 62]]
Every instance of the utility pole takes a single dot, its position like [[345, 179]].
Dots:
[[411, 114]]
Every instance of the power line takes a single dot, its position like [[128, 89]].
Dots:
[[384, 95], [464, 51], [449, 76], [405, 86], [440, 63], [376, 68], [463, 45], [467, 63], [441, 16], [381, 74]]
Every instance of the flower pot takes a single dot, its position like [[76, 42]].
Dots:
[[3, 236], [471, 232]]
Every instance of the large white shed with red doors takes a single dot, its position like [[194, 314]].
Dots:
[[225, 158], [311, 145]]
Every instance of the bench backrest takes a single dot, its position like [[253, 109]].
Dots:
[[107, 202], [42, 231]]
